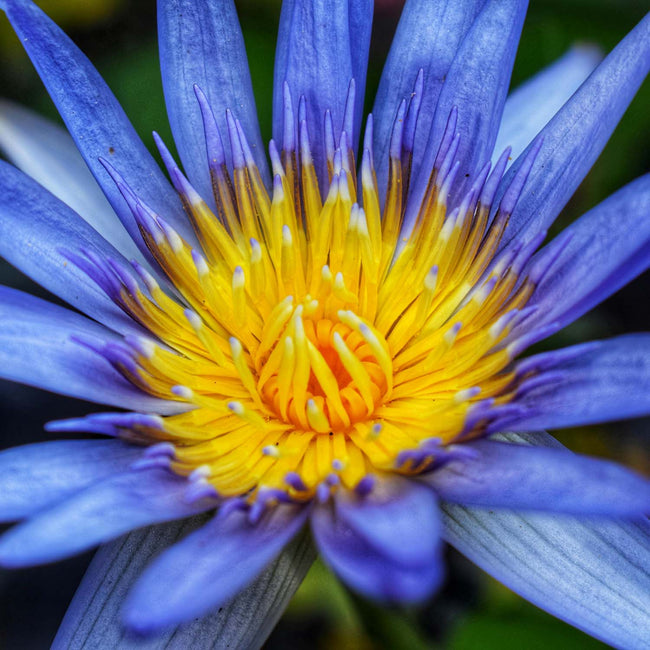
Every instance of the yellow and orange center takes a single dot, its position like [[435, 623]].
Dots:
[[313, 338], [342, 381]]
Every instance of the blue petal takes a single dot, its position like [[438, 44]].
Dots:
[[594, 257], [243, 622], [35, 227], [95, 120], [583, 384], [39, 475], [427, 38], [36, 348], [528, 108], [522, 477], [98, 514], [360, 18], [593, 574], [209, 567], [477, 85], [385, 545], [46, 152], [315, 56], [574, 138], [201, 44]]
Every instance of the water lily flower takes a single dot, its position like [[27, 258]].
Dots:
[[331, 336]]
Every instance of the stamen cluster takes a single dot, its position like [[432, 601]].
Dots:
[[313, 343]]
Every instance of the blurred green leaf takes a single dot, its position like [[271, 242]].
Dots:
[[514, 632], [505, 621]]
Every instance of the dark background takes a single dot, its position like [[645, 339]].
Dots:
[[473, 611]]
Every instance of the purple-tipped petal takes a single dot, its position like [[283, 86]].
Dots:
[[46, 152], [593, 574], [375, 517], [530, 106], [427, 38], [38, 475], [594, 257], [574, 138], [98, 514], [592, 382], [321, 47], [95, 119], [476, 84], [201, 44], [521, 477], [35, 230], [386, 544], [113, 424], [36, 348], [244, 622], [209, 567]]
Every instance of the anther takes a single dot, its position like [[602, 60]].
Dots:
[[202, 268], [173, 238], [183, 391], [293, 480], [366, 485], [317, 419], [244, 371], [431, 279], [466, 394], [375, 431], [271, 450], [144, 347], [256, 251], [247, 414], [160, 449], [239, 295], [341, 291], [355, 369], [323, 492], [452, 333], [201, 473]]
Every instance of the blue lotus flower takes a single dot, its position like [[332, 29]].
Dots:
[[312, 343]]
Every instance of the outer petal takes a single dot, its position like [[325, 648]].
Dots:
[[318, 54], [98, 514], [201, 43], [427, 38], [386, 545], [38, 475], [46, 152], [584, 384], [35, 227], [592, 574], [95, 120], [360, 18], [209, 567], [36, 349], [528, 108], [243, 622], [502, 475], [594, 257], [574, 138], [477, 84]]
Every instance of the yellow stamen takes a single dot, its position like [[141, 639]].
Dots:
[[316, 337]]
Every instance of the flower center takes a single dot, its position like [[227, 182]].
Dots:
[[323, 375], [314, 343]]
